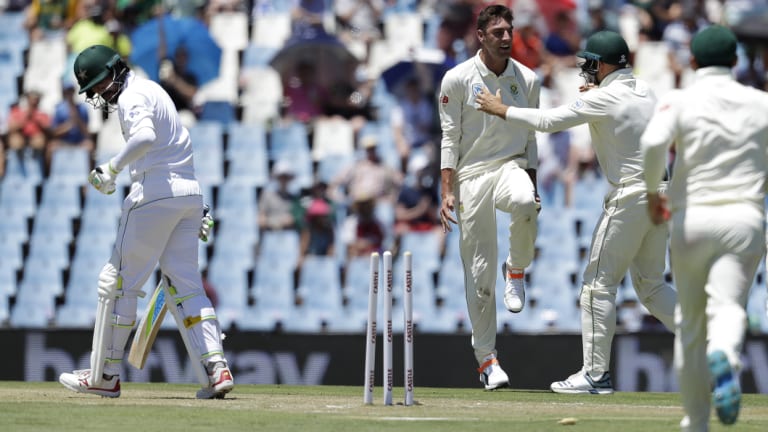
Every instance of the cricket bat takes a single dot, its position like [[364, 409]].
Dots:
[[147, 330]]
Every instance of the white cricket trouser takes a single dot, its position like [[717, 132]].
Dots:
[[509, 189], [164, 229], [624, 239], [715, 253]]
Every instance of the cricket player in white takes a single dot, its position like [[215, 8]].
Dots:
[[159, 223], [617, 107], [486, 165], [719, 130]]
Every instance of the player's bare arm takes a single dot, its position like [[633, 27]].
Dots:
[[447, 199], [657, 208], [491, 103]]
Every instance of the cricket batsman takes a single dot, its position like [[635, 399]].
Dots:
[[160, 222]]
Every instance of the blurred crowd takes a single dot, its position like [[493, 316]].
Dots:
[[374, 64]]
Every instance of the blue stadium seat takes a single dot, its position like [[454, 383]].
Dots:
[[62, 197], [257, 55], [231, 285], [43, 276], [54, 224], [273, 285], [51, 250], [283, 245], [245, 139], [357, 282], [221, 112], [7, 279], [35, 305], [208, 146], [24, 166], [70, 165], [251, 168], [78, 316], [304, 320], [450, 283], [319, 283], [83, 279], [15, 226], [258, 319], [425, 248], [348, 320], [18, 195], [288, 140], [235, 200], [330, 166]]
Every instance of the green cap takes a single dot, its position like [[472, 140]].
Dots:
[[93, 64], [714, 46], [607, 47]]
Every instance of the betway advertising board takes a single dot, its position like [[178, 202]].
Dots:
[[641, 362]]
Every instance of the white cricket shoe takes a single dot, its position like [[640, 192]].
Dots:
[[79, 381], [492, 375], [514, 290], [220, 380], [582, 383]]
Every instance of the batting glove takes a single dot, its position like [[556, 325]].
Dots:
[[103, 178], [206, 224]]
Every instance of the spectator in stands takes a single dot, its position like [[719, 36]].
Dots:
[[564, 40], [304, 97], [362, 232], [3, 134], [277, 205], [180, 83], [677, 35], [527, 46], [307, 18], [49, 17], [368, 176], [318, 233], [28, 128], [359, 20], [412, 121], [97, 27], [134, 13], [418, 203], [69, 127]]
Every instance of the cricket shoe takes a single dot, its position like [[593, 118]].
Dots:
[[582, 383], [492, 375], [726, 395], [221, 382], [79, 381], [514, 289]]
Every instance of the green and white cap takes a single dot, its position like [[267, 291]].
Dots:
[[714, 46], [93, 64], [606, 46]]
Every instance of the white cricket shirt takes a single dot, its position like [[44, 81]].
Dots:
[[719, 129], [617, 112], [473, 141], [144, 107]]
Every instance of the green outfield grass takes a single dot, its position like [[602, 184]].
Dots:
[[172, 407]]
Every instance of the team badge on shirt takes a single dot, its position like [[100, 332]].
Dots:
[[577, 104], [513, 88], [477, 88], [444, 99]]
